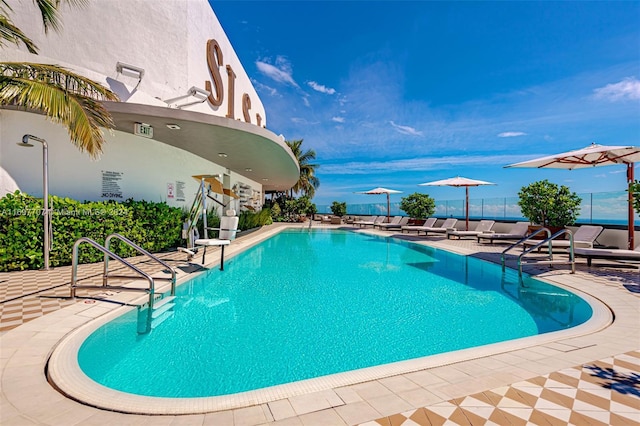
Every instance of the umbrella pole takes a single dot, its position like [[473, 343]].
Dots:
[[466, 204], [630, 180], [388, 207]]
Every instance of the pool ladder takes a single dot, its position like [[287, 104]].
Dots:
[[150, 314], [549, 242]]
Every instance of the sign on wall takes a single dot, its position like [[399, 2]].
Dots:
[[180, 191], [111, 184]]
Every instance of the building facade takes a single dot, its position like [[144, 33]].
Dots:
[[187, 107]]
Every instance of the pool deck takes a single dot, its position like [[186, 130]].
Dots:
[[589, 377]]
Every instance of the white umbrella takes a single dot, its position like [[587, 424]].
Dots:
[[593, 156], [459, 181], [383, 191]]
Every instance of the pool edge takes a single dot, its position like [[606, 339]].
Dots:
[[67, 376]]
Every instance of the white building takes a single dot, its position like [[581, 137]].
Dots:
[[161, 58]]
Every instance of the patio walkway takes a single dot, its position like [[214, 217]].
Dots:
[[588, 379]]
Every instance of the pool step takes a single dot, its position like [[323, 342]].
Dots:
[[156, 321], [162, 311], [163, 306]]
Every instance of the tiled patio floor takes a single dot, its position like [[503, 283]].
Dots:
[[603, 392], [594, 379]]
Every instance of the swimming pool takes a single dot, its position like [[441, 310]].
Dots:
[[306, 303]]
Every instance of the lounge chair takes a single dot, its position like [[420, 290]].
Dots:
[[365, 221], [483, 226], [606, 253], [517, 232], [394, 226], [373, 222], [447, 225], [394, 221], [584, 237], [417, 228], [227, 232]]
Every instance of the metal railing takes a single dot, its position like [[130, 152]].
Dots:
[[602, 208], [105, 277], [74, 272], [107, 244], [547, 241]]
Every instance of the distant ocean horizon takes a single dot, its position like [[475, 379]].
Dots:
[[603, 208]]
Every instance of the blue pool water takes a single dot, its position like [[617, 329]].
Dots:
[[307, 303]]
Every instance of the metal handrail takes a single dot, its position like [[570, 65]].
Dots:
[[107, 243], [74, 271], [547, 241], [521, 241]]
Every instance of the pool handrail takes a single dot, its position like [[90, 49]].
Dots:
[[74, 271], [107, 244], [547, 241]]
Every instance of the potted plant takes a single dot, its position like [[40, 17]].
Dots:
[[548, 205], [338, 209], [418, 207]]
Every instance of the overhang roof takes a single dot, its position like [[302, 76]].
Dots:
[[251, 151]]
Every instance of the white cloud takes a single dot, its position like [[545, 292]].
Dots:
[[321, 88], [264, 88], [299, 120], [338, 119], [281, 72], [305, 100], [627, 89], [510, 134], [406, 130]]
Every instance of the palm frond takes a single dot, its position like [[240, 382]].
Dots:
[[49, 12], [13, 34], [65, 97]]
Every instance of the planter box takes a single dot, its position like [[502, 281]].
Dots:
[[543, 235]]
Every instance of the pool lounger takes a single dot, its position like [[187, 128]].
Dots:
[[517, 232], [444, 228], [483, 226], [603, 253], [584, 237], [427, 224]]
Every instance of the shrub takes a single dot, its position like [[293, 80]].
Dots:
[[635, 190], [338, 208], [292, 210], [547, 204], [153, 226], [418, 206], [249, 219]]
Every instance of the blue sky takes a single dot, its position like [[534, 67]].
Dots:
[[395, 94]]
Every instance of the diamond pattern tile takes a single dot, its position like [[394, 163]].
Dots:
[[604, 392]]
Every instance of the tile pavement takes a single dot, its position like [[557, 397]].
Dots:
[[603, 392]]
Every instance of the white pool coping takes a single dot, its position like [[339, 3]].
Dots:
[[66, 374]]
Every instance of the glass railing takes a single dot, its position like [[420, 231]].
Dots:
[[606, 208]]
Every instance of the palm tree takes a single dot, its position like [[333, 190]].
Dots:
[[65, 97], [308, 182]]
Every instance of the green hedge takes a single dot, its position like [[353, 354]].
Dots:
[[249, 220], [153, 226]]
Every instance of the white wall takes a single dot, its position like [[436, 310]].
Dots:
[[166, 38], [146, 166]]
